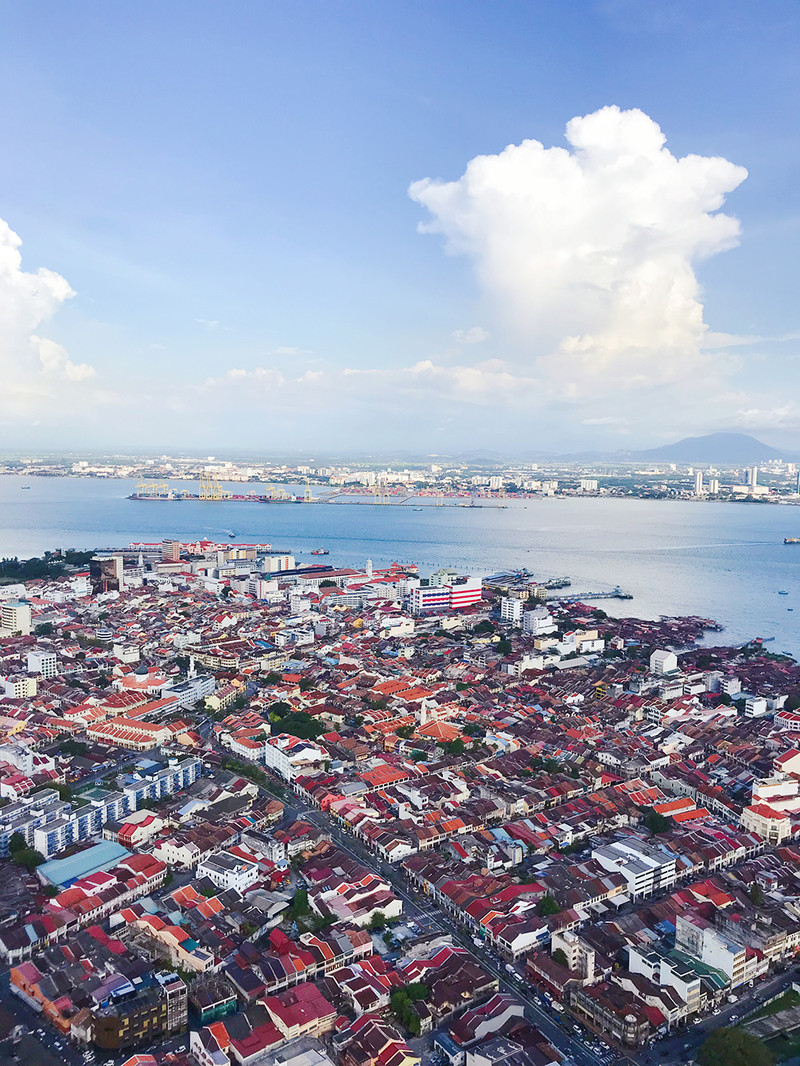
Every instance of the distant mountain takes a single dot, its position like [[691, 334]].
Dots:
[[732, 448]]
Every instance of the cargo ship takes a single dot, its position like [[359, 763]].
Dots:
[[791, 540]]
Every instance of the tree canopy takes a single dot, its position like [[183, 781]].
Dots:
[[734, 1047]]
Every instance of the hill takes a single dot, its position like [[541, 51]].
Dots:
[[731, 448]]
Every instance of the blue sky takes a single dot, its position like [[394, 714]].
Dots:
[[224, 191]]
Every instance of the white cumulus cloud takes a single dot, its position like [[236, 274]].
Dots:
[[590, 250], [30, 365]]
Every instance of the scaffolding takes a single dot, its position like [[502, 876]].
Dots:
[[308, 496], [382, 494], [210, 489]]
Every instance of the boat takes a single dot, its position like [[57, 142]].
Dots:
[[25, 488], [231, 534], [791, 540], [782, 592], [416, 508], [320, 551]]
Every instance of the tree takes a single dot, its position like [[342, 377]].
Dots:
[[299, 905], [655, 822], [44, 629], [559, 956], [378, 921], [734, 1047], [405, 731], [756, 894], [455, 747], [305, 684], [546, 906], [273, 678], [16, 843], [28, 857], [327, 584], [503, 647]]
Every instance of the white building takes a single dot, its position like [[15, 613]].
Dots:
[[511, 610], [538, 623], [42, 662], [695, 936], [229, 871], [19, 686], [663, 662], [291, 756], [647, 868], [698, 484], [15, 618], [588, 484]]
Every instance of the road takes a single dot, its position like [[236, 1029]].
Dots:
[[560, 1030]]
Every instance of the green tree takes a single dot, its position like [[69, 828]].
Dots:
[[756, 894], [28, 858], [327, 584], [405, 731], [16, 843], [378, 921], [559, 956], [299, 905], [44, 629], [546, 906], [734, 1047], [655, 822], [455, 747]]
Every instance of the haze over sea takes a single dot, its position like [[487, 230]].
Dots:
[[718, 560]]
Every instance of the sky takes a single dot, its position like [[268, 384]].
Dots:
[[423, 225]]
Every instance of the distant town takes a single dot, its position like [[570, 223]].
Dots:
[[773, 480], [304, 815]]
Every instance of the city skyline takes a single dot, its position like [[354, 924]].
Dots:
[[427, 228]]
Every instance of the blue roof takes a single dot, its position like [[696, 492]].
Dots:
[[102, 856]]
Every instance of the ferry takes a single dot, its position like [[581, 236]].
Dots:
[[791, 540], [320, 551]]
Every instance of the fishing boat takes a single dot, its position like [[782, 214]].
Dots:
[[782, 592], [320, 551]]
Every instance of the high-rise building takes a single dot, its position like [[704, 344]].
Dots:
[[698, 483], [42, 662], [170, 551], [105, 573], [752, 477], [15, 617]]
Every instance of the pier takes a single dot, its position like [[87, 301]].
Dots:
[[581, 597]]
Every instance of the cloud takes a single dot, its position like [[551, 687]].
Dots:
[[31, 365], [589, 251], [56, 363], [476, 335]]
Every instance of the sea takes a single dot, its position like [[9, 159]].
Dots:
[[725, 561]]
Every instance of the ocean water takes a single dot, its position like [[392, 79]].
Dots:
[[720, 560]]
